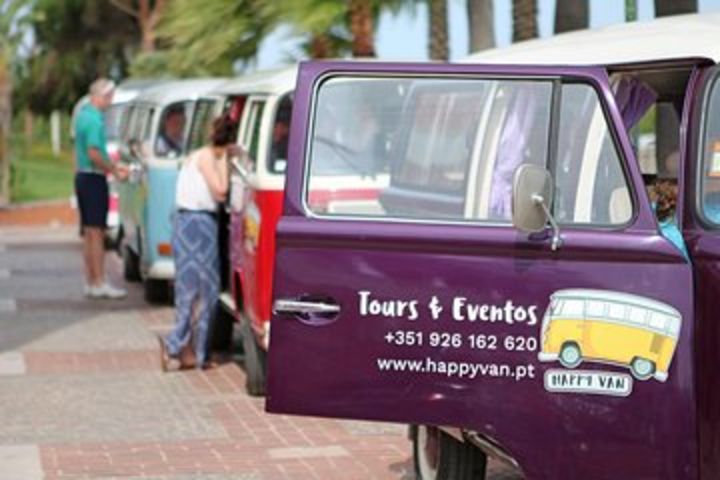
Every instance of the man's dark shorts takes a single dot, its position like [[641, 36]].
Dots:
[[93, 199]]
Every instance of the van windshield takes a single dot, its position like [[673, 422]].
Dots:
[[710, 174], [113, 117]]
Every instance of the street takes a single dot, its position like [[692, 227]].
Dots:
[[83, 396]]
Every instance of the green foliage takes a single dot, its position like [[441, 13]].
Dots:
[[207, 38], [36, 173], [75, 41]]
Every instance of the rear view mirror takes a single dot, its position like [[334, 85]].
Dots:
[[532, 198]]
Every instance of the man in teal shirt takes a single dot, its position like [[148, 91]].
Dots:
[[91, 188]]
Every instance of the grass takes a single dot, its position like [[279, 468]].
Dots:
[[36, 173]]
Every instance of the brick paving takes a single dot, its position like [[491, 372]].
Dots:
[[82, 395]]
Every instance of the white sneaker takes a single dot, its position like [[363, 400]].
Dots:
[[107, 291], [88, 290]]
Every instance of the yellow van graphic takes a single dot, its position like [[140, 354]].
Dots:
[[610, 327]]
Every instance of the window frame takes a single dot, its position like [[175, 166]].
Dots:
[[189, 109], [712, 83], [557, 82]]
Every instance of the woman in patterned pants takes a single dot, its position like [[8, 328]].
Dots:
[[202, 185]]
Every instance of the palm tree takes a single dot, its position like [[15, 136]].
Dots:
[[674, 7], [438, 30], [571, 15], [630, 10], [147, 14], [207, 38], [12, 14], [361, 22], [481, 24], [524, 20]]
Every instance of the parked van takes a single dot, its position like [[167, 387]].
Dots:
[[514, 184], [154, 142], [262, 104]]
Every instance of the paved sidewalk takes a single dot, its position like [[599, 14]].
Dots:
[[82, 395]]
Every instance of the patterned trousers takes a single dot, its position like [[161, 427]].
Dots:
[[197, 282]]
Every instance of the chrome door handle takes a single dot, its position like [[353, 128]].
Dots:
[[300, 307]]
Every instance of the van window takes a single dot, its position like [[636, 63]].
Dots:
[[448, 148], [710, 173], [595, 308], [251, 136], [590, 184], [173, 130], [201, 124], [637, 315], [573, 308], [616, 311], [113, 117], [277, 160]]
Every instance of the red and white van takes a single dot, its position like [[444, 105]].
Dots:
[[262, 104]]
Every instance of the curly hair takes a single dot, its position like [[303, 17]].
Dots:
[[224, 131], [665, 198]]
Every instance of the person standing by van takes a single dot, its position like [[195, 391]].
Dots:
[[91, 187], [202, 184]]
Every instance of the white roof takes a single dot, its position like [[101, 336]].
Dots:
[[129, 89], [277, 81], [172, 91], [616, 297], [681, 36]]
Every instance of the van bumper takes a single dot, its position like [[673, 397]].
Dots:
[[661, 376], [161, 270], [547, 357]]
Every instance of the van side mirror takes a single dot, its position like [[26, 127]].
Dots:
[[532, 197]]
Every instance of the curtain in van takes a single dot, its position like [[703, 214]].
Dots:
[[633, 98], [514, 141]]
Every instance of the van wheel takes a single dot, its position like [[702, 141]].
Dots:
[[131, 265], [255, 361], [438, 456], [156, 291], [642, 368], [570, 355]]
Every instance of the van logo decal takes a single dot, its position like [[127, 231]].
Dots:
[[583, 326]]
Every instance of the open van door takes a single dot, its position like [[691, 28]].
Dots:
[[509, 277]]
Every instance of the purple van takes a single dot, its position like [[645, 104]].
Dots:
[[536, 279]]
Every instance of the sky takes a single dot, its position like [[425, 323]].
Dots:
[[404, 36]]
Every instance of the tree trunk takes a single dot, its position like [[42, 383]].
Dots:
[[438, 30], [5, 119], [571, 15], [148, 19], [664, 8], [320, 46], [481, 24], [524, 20], [630, 10], [361, 28]]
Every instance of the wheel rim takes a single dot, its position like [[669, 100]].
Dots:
[[642, 368], [570, 356], [428, 452]]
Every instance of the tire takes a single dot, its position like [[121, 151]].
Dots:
[[156, 291], [131, 265], [255, 361], [570, 355], [222, 331], [642, 368], [438, 456]]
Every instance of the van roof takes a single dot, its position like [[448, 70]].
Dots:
[[615, 297], [277, 81], [178, 90], [676, 37]]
